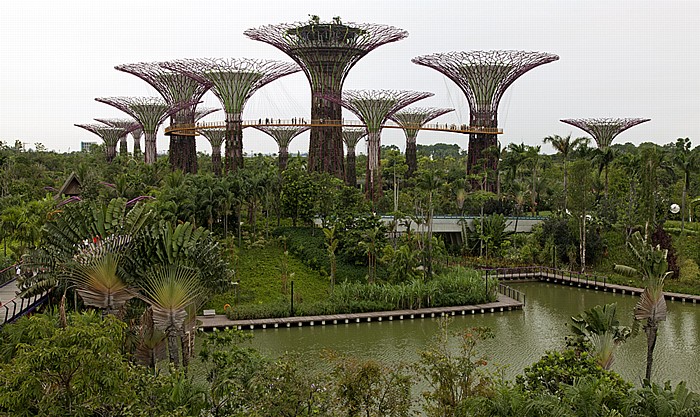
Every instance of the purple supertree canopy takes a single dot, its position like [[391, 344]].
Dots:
[[283, 135], [604, 130], [352, 135], [129, 125], [110, 136], [484, 76], [149, 111], [200, 113], [412, 119]]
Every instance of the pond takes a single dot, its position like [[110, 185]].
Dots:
[[521, 337]]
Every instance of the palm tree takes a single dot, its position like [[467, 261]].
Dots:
[[653, 269], [171, 290], [604, 156], [687, 161], [332, 246], [565, 146], [532, 158]]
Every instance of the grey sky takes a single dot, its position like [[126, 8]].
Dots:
[[617, 59]]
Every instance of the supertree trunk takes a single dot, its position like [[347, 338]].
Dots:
[[234, 142], [478, 155], [283, 158], [373, 179], [411, 156], [326, 143], [216, 159], [350, 171], [174, 151], [137, 146], [150, 148], [111, 152], [188, 160], [123, 151]]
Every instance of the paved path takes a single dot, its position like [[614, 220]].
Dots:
[[221, 321], [8, 292]]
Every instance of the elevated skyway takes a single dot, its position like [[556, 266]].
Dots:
[[453, 224]]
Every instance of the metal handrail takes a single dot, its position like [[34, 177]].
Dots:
[[511, 293]]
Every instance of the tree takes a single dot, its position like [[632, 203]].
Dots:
[[332, 246], [652, 267], [298, 194], [581, 202], [599, 331], [687, 162], [565, 145]]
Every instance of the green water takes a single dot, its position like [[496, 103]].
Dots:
[[522, 337]]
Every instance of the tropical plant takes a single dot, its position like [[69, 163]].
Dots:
[[687, 162], [565, 146], [652, 267], [599, 331], [332, 246]]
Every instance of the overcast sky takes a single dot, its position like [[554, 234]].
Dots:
[[617, 59]]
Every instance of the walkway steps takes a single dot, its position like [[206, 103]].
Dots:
[[222, 322]]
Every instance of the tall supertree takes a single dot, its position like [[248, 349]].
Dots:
[[483, 77], [181, 154], [150, 112], [129, 125], [326, 51], [604, 131], [233, 81], [411, 120], [216, 137], [175, 88], [110, 136], [352, 135], [283, 135], [374, 108]]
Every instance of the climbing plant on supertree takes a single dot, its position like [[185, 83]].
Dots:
[[233, 81], [374, 108], [110, 136], [174, 88], [283, 135], [326, 51], [150, 113], [603, 131], [483, 77], [351, 136], [411, 120]]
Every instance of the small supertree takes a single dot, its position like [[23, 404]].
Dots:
[[326, 51], [411, 120], [233, 81], [129, 125], [283, 135], [351, 136], [150, 112], [603, 131], [110, 136], [175, 88], [374, 108], [136, 134], [483, 77], [216, 137]]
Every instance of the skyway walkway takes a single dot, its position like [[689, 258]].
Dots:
[[11, 306]]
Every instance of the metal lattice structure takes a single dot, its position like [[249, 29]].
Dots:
[[175, 88], [483, 77], [110, 136], [129, 125], [283, 135], [233, 81], [411, 120], [326, 51], [351, 136], [150, 113], [137, 134], [604, 130], [202, 112], [374, 108], [215, 137]]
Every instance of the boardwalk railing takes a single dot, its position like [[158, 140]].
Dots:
[[511, 293], [8, 274], [18, 307], [544, 272]]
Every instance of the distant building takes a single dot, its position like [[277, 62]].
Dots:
[[85, 146]]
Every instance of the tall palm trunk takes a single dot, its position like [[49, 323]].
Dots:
[[650, 329], [173, 351]]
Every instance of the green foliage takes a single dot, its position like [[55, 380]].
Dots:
[[657, 401], [599, 331]]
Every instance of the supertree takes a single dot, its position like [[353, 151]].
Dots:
[[483, 77], [283, 135], [110, 136], [233, 81], [603, 131], [351, 136], [411, 120], [136, 134], [215, 136], [374, 107], [175, 88], [150, 113], [326, 51], [183, 148], [129, 125]]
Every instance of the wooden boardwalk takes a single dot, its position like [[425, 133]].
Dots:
[[582, 281], [220, 321]]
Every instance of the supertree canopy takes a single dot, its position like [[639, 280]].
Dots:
[[484, 76], [326, 51], [352, 135], [129, 125], [202, 112], [233, 81], [175, 88], [110, 136], [374, 108], [150, 112], [411, 120], [215, 137], [283, 135]]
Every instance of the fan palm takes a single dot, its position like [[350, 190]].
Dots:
[[653, 268], [171, 290]]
